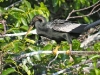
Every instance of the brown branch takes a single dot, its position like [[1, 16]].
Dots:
[[6, 8], [4, 25], [76, 65], [84, 15], [1, 62], [83, 53], [73, 11], [87, 7], [94, 8]]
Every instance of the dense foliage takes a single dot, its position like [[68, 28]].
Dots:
[[18, 17]]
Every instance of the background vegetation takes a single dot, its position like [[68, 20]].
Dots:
[[18, 15]]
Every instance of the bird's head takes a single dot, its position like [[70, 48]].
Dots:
[[36, 21]]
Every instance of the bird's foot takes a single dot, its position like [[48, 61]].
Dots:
[[70, 57], [56, 50]]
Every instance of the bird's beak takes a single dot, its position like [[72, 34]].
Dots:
[[30, 28]]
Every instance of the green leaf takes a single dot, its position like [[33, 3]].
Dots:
[[36, 56], [8, 71], [97, 71], [40, 11], [2, 40], [48, 47], [94, 1], [16, 15], [55, 2], [8, 46], [82, 1], [42, 4], [27, 4], [77, 4], [26, 68], [18, 23], [64, 45], [36, 7], [86, 19], [24, 28], [1, 10], [88, 3], [17, 45], [30, 41], [31, 14], [7, 39], [24, 21], [17, 9]]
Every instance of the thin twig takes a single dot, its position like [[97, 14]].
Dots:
[[73, 11], [85, 53], [90, 39], [6, 8], [76, 66], [86, 8], [53, 60], [94, 8], [19, 34], [83, 15], [4, 25]]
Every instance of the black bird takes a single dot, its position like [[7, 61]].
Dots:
[[58, 30], [92, 25]]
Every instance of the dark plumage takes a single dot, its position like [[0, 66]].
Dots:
[[58, 30], [92, 25]]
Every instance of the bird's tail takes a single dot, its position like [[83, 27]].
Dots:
[[90, 30], [92, 25]]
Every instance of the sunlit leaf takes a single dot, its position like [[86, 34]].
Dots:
[[24, 27], [86, 19], [17, 45], [97, 71], [31, 14], [8, 71], [27, 4], [8, 46], [36, 56], [2, 10], [77, 4], [24, 21], [30, 41], [48, 47], [26, 69], [42, 4], [17, 9], [18, 23]]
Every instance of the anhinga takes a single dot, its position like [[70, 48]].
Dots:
[[58, 30]]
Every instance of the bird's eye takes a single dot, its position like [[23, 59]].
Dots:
[[40, 20]]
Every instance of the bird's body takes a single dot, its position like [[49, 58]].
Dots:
[[59, 30]]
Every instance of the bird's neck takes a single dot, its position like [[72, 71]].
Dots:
[[39, 24]]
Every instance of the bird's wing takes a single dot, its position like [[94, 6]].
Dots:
[[65, 26]]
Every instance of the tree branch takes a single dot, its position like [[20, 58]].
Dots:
[[85, 53], [6, 8], [76, 66], [4, 25], [91, 12], [90, 39], [19, 34]]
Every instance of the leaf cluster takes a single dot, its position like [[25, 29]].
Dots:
[[18, 18]]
